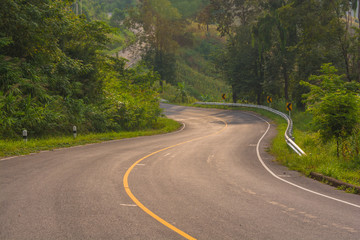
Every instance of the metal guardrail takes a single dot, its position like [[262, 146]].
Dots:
[[289, 130]]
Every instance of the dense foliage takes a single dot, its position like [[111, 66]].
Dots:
[[334, 104], [178, 48], [159, 25], [102, 9], [273, 45], [53, 74], [189, 8]]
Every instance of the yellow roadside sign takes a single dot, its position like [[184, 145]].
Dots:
[[289, 106], [269, 99]]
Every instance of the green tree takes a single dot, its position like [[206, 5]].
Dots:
[[277, 37], [158, 24], [240, 63], [54, 74], [334, 104], [293, 39], [323, 36], [189, 8], [355, 4], [117, 17], [205, 16], [82, 42], [229, 14]]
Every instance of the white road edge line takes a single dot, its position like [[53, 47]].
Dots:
[[8, 158], [128, 205], [293, 184], [177, 131]]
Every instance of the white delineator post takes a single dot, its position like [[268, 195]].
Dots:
[[74, 131], [24, 133]]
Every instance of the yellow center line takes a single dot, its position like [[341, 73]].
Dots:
[[145, 209]]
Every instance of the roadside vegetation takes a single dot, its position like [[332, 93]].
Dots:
[[13, 147], [55, 74], [321, 157]]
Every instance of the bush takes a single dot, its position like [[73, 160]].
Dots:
[[334, 105]]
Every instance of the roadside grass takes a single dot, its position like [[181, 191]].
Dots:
[[20, 147], [320, 157]]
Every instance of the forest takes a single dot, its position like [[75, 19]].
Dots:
[[54, 74], [274, 45], [58, 66]]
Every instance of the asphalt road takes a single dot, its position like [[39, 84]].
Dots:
[[213, 179]]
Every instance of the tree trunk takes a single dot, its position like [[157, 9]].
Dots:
[[346, 57], [358, 61], [158, 61], [286, 82], [258, 100], [234, 95], [261, 73]]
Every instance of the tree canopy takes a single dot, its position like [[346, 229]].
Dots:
[[54, 74], [334, 104], [158, 25], [292, 38]]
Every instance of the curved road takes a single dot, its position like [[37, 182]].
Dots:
[[211, 180]]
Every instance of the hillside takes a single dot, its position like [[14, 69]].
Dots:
[[194, 67]]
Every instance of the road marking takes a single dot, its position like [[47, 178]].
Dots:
[[139, 204], [8, 158], [210, 158], [249, 191], [128, 205], [281, 179]]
